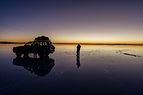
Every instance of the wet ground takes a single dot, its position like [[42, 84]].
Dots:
[[98, 69]]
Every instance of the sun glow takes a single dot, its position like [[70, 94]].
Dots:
[[85, 35]]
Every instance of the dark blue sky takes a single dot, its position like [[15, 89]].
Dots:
[[72, 20]]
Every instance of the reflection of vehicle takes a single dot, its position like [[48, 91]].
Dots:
[[41, 46], [38, 66]]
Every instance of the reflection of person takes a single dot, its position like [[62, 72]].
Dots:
[[78, 60], [78, 48]]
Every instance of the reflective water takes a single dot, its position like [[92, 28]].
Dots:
[[99, 69]]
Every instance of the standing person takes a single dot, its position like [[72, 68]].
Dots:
[[78, 48], [78, 56]]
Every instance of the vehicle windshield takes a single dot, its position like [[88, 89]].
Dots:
[[28, 44]]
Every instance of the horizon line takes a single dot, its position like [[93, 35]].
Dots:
[[7, 42]]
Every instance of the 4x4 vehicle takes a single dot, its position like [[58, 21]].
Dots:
[[41, 46]]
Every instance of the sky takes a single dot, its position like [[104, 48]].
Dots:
[[72, 21]]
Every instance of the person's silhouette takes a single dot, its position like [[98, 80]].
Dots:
[[78, 56], [78, 48]]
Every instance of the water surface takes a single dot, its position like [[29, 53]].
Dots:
[[99, 69]]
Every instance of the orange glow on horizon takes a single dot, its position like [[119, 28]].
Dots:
[[80, 35], [86, 41]]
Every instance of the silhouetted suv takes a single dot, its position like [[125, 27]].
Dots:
[[41, 46]]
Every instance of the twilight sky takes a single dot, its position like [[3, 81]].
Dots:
[[82, 21]]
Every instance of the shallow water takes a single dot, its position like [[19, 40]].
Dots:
[[99, 69]]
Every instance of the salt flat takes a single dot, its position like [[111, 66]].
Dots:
[[99, 69]]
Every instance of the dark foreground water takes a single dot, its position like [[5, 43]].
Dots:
[[98, 70]]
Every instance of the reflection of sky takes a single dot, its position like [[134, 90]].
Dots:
[[72, 20], [102, 68]]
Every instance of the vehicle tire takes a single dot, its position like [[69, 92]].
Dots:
[[40, 55], [18, 54], [46, 54], [25, 55]]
